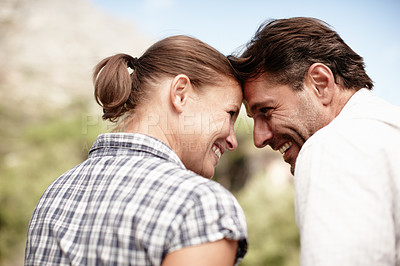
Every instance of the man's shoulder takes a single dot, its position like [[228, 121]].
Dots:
[[363, 120]]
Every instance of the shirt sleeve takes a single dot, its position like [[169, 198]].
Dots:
[[211, 213], [344, 200]]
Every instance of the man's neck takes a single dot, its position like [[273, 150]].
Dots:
[[341, 98]]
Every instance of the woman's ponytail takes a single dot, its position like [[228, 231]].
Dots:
[[113, 85]]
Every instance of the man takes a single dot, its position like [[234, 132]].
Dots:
[[310, 98]]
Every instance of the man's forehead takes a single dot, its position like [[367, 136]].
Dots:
[[253, 89]]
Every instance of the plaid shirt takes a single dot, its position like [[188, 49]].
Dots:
[[130, 203]]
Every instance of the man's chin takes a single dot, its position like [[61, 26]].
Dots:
[[292, 166]]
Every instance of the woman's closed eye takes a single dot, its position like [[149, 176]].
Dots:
[[232, 113]]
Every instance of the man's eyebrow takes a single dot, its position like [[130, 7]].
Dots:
[[254, 107]]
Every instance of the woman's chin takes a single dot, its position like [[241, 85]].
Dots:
[[207, 172]]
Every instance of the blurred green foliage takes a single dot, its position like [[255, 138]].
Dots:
[[34, 151], [273, 235]]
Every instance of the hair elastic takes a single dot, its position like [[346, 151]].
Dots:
[[132, 64]]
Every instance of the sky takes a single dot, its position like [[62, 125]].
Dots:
[[370, 28]]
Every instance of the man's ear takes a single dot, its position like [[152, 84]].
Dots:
[[320, 78], [180, 89]]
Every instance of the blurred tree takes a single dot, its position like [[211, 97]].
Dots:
[[262, 183], [268, 206], [33, 154]]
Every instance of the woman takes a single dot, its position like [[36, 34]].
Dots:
[[143, 197]]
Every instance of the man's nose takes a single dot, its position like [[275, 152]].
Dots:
[[262, 133]]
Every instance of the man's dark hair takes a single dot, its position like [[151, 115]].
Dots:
[[286, 48]]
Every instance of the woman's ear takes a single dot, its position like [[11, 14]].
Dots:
[[180, 89], [321, 80]]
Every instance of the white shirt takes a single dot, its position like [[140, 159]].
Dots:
[[347, 185]]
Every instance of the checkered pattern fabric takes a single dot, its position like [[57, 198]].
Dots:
[[130, 203]]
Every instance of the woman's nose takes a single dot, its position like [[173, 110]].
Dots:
[[231, 140]]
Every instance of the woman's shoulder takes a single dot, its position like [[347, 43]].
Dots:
[[199, 185]]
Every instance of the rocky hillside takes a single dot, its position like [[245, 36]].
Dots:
[[48, 49]]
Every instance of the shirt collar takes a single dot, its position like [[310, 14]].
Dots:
[[357, 97], [113, 144]]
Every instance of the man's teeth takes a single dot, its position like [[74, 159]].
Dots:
[[285, 147], [217, 151]]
